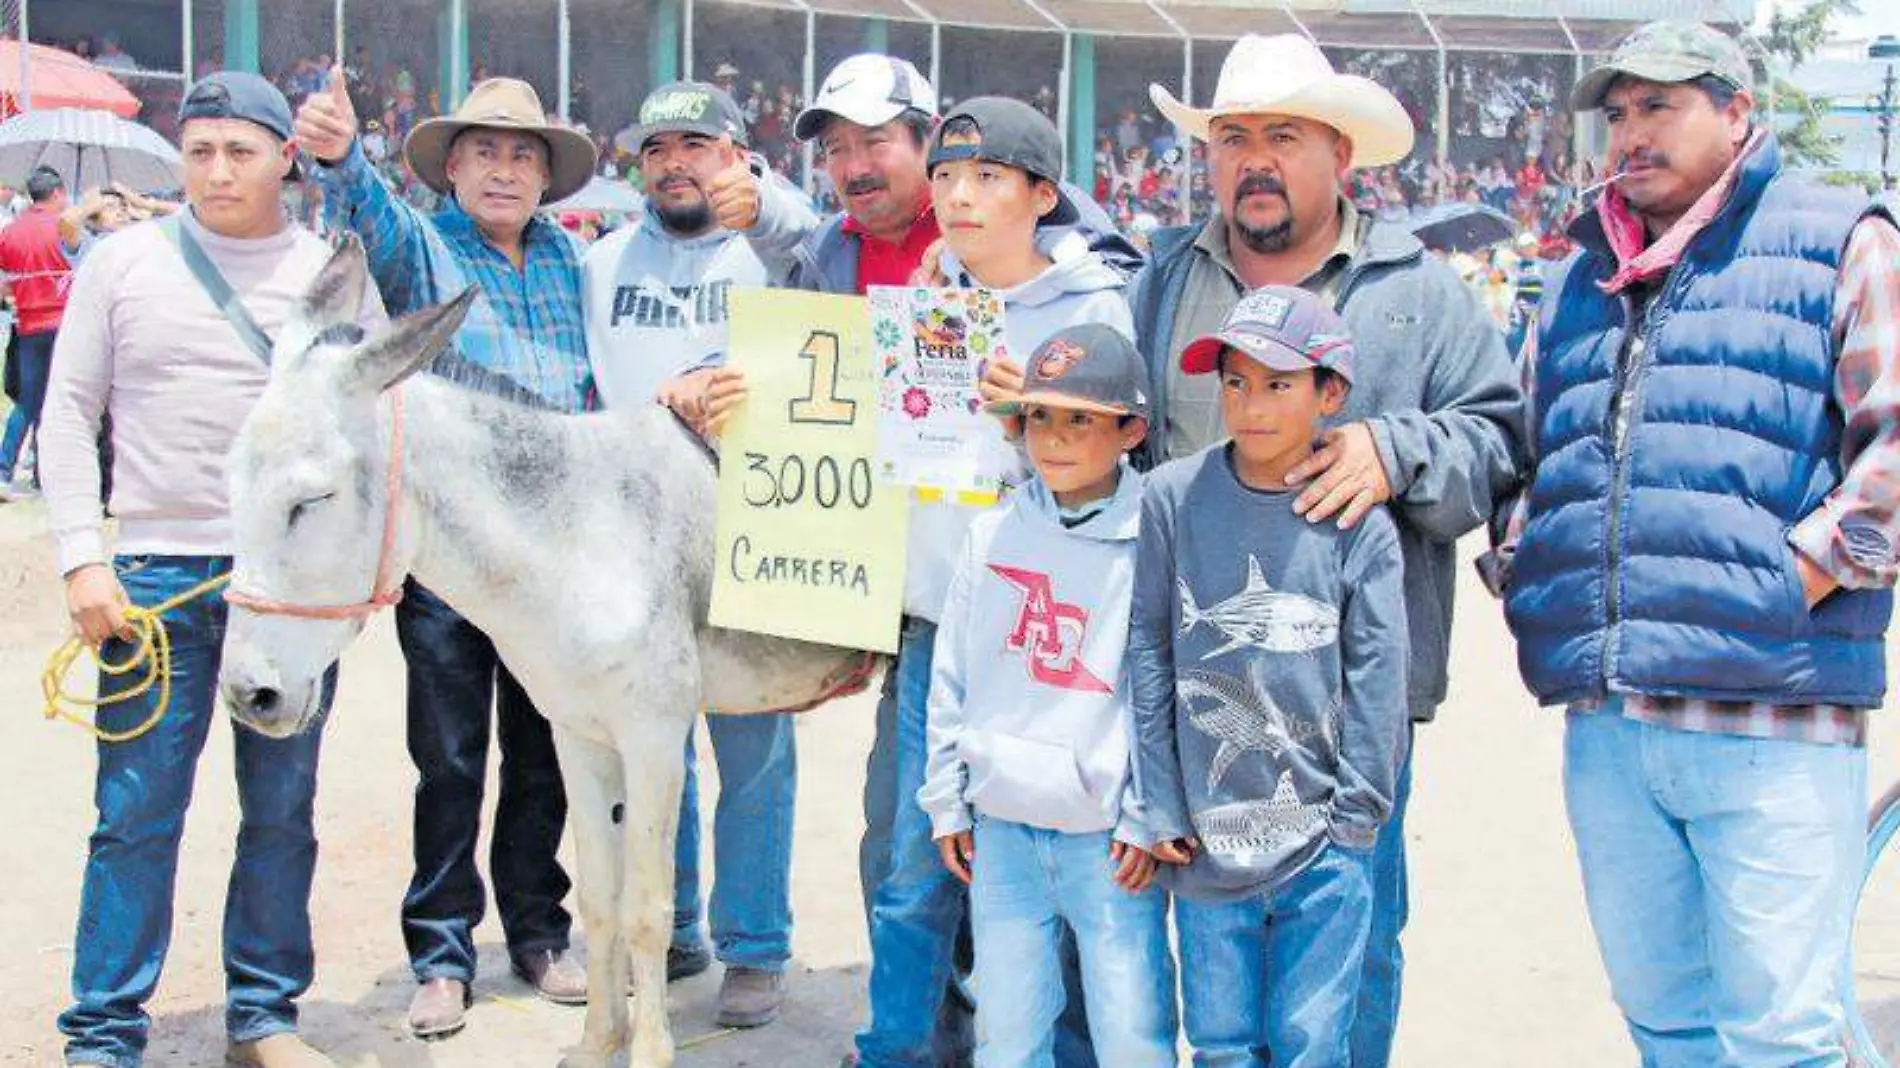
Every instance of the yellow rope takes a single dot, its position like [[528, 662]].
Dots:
[[153, 652]]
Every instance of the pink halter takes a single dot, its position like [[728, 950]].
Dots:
[[387, 590]]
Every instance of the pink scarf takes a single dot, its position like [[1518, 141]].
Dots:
[[1626, 234]]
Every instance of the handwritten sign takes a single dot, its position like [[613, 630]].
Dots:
[[810, 541], [932, 348]]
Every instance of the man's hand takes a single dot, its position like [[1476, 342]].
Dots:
[[1816, 584], [1176, 851], [1003, 381], [733, 195], [929, 270], [725, 392], [959, 854], [1135, 867], [1346, 475], [96, 603], [326, 124], [686, 395]]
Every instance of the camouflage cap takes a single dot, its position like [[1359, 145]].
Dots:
[[1666, 52]]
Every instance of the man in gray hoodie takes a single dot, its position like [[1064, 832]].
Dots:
[[1432, 427], [655, 298]]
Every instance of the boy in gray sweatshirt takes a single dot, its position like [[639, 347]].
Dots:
[[1028, 780], [1267, 658]]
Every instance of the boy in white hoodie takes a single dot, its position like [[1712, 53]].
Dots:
[[1028, 784]]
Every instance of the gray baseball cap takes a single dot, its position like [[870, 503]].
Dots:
[[1090, 367], [1666, 52], [236, 94], [1282, 328], [691, 107], [1007, 131]]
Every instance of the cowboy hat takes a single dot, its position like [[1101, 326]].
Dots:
[[1289, 75], [501, 104]]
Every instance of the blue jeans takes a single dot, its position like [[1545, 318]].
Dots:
[[1378, 1017], [142, 791], [1720, 875], [918, 909], [35, 353], [1029, 882], [752, 843], [1274, 979], [454, 677]]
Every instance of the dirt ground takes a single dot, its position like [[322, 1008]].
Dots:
[[1502, 969]]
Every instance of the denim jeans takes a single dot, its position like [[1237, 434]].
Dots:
[[142, 791], [1720, 874], [752, 843], [918, 909], [454, 678], [35, 353], [1028, 882], [1378, 1017], [1274, 979]]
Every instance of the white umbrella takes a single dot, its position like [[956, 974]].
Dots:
[[604, 194], [89, 149]]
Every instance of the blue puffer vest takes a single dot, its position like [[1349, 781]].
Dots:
[[1656, 557]]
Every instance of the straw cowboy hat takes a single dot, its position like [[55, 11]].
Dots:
[[502, 104], [1289, 75]]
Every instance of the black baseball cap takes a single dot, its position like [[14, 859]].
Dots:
[[690, 107], [1090, 367], [236, 94], [1001, 130]]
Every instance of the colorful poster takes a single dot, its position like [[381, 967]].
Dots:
[[933, 346], [810, 540]]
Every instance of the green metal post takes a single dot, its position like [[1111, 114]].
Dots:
[[663, 43], [1082, 111], [240, 35]]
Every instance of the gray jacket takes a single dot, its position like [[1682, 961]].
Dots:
[[1434, 383]]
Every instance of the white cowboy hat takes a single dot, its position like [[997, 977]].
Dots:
[[1289, 75]]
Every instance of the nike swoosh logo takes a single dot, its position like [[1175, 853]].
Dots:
[[838, 87]]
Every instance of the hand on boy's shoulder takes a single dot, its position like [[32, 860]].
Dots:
[[1344, 477]]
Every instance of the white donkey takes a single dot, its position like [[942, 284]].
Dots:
[[582, 545]]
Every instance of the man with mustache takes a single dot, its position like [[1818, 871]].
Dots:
[[1431, 427], [497, 160], [656, 298], [1700, 571]]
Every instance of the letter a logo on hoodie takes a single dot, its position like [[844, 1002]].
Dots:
[[1049, 633]]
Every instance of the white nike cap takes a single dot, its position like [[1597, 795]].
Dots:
[[869, 89]]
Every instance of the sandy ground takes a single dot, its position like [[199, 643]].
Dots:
[[1503, 971]]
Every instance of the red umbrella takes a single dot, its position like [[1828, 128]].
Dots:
[[59, 79]]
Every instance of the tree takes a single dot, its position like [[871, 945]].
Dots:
[[1798, 116]]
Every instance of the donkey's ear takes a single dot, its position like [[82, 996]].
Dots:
[[336, 297], [410, 343]]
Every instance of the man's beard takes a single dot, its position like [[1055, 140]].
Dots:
[[688, 219], [1265, 240]]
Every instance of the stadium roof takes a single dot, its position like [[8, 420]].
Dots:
[[1560, 27]]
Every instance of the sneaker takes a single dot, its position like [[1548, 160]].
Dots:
[[749, 997], [684, 962]]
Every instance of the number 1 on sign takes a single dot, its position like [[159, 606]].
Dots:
[[821, 403]]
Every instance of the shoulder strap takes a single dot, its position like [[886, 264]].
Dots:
[[218, 289]]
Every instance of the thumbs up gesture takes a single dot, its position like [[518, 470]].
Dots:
[[326, 124], [734, 196]]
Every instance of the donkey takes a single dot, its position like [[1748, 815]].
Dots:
[[582, 545]]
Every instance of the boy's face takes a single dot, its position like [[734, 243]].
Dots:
[[988, 210], [1273, 416], [1077, 452]]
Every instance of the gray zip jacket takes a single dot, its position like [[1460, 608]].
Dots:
[[1434, 383]]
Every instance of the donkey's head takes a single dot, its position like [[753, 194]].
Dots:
[[309, 493]]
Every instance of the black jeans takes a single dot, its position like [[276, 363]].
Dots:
[[454, 676]]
